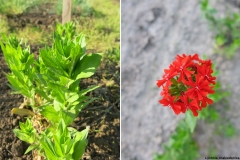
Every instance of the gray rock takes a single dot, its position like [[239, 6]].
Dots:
[[153, 32]]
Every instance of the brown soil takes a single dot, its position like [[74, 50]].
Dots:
[[103, 115]]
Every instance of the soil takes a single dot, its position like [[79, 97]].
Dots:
[[103, 115]]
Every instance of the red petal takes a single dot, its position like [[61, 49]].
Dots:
[[209, 101], [183, 109], [204, 104], [200, 97], [176, 109], [185, 60], [195, 113], [160, 82], [164, 101], [190, 92], [188, 73]]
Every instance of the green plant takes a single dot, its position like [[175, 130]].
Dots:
[[226, 129], [226, 29], [181, 145], [15, 7], [114, 54], [50, 85]]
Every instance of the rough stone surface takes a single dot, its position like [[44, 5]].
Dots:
[[152, 33]]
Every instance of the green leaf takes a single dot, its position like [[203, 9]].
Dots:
[[58, 105], [52, 62], [50, 113], [12, 61], [82, 135], [27, 126], [29, 62], [68, 46], [75, 55], [68, 144], [61, 127], [87, 66], [47, 57], [19, 76], [57, 145], [191, 121], [18, 86], [76, 97], [31, 147], [78, 101], [80, 40], [83, 42], [40, 78], [85, 91], [74, 85], [43, 94], [80, 143], [48, 148], [79, 107], [64, 81], [26, 137], [58, 46], [73, 110], [68, 116], [73, 98], [58, 71], [58, 94]]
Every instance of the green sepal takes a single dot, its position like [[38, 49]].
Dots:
[[174, 81]]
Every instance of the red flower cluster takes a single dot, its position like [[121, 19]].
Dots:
[[187, 83]]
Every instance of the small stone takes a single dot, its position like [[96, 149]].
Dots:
[[15, 122]]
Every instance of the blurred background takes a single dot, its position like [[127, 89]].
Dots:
[[34, 22], [152, 33]]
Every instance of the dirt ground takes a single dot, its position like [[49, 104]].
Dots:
[[103, 115], [152, 36]]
